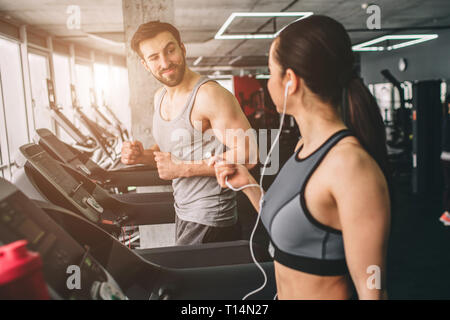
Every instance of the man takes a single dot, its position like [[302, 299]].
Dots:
[[188, 107]]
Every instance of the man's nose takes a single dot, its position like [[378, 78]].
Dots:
[[165, 62]]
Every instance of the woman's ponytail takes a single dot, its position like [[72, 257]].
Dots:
[[365, 121], [319, 51]]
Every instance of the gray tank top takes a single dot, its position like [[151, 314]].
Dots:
[[197, 199], [298, 240]]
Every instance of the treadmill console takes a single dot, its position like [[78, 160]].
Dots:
[[20, 218], [60, 150], [65, 183], [55, 145]]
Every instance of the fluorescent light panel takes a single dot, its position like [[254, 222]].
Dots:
[[107, 41], [198, 60], [414, 39], [223, 76], [220, 33], [236, 59]]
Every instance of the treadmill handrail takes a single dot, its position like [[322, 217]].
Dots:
[[95, 131], [70, 128]]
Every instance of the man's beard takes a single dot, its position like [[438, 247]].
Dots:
[[176, 77]]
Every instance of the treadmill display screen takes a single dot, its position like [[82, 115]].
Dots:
[[31, 231]]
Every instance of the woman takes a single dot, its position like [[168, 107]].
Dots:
[[328, 210], [445, 158]]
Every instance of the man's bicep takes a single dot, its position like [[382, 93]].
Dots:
[[237, 135], [227, 113], [228, 123]]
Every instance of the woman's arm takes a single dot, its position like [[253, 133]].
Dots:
[[362, 198], [237, 176], [253, 194]]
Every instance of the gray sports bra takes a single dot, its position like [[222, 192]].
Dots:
[[298, 240]]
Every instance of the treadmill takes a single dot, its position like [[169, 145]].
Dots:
[[82, 142], [117, 127], [137, 175], [111, 271], [105, 140], [44, 178]]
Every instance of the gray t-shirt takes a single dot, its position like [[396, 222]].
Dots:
[[197, 199]]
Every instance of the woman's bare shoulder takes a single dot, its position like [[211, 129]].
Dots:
[[349, 157]]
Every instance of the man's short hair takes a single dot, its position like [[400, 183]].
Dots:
[[150, 30]]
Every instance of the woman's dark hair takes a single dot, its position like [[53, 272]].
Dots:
[[319, 50], [150, 30]]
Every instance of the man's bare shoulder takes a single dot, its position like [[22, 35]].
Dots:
[[213, 90], [212, 97]]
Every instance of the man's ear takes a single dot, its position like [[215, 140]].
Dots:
[[184, 49], [145, 65]]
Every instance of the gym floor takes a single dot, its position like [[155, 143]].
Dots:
[[419, 247]]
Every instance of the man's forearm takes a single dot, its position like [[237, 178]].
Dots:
[[195, 168]]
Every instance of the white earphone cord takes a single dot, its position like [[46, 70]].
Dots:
[[262, 195]]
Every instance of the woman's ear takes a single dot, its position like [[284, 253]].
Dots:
[[290, 77]]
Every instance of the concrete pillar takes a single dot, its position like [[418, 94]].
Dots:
[[142, 84]]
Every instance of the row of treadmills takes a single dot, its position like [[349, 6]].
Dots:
[[100, 137], [68, 209]]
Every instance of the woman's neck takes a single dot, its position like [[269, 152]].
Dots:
[[317, 126]]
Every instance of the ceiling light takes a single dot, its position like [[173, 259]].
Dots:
[[198, 60], [220, 76], [262, 76], [220, 34], [234, 60], [106, 41], [413, 39]]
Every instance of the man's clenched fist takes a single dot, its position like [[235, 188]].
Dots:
[[132, 152], [168, 169]]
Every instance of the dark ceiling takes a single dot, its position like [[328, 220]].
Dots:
[[199, 20]]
